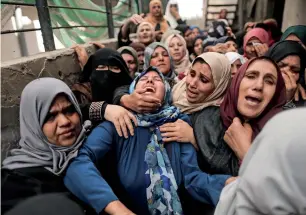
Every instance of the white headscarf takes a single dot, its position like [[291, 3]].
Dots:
[[233, 56], [35, 149], [272, 176], [168, 15]]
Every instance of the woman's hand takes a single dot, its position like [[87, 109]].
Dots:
[[81, 54], [230, 32], [301, 91], [140, 102], [261, 49], [291, 85], [121, 118], [117, 208], [179, 131], [98, 45], [136, 19], [239, 137], [230, 180]]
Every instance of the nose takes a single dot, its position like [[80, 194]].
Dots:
[[63, 121], [150, 80], [193, 83], [161, 57], [259, 84]]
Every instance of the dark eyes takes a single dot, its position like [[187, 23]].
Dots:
[[67, 112]]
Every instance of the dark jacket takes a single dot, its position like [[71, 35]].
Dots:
[[19, 184], [214, 156]]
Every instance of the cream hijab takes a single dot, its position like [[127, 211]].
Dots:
[[183, 64], [221, 72], [272, 175], [140, 26]]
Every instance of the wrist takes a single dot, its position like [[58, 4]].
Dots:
[[124, 101], [116, 207]]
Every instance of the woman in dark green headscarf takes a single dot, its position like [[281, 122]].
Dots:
[[296, 33]]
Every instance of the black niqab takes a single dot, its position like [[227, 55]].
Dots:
[[104, 82]]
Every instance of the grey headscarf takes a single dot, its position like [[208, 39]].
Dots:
[[171, 76], [272, 176], [35, 150], [131, 51]]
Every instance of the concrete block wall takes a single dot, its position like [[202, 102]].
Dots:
[[17, 73]]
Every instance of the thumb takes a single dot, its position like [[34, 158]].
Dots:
[[142, 15], [140, 91], [248, 127], [237, 120]]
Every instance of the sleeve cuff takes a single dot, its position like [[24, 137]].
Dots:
[[95, 113]]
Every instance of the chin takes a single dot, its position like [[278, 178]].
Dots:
[[250, 114], [67, 143], [192, 100]]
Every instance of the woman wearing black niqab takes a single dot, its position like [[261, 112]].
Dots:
[[104, 71]]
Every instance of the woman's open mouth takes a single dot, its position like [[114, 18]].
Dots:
[[149, 90], [251, 100]]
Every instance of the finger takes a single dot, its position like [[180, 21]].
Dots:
[[296, 96], [248, 127], [123, 127], [237, 120], [151, 99], [169, 134], [170, 139], [129, 124], [166, 129], [142, 15], [291, 78], [140, 91], [302, 91], [151, 105], [286, 79], [133, 117], [118, 129]]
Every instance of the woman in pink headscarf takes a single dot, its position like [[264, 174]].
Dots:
[[255, 43]]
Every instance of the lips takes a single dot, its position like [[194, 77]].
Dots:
[[253, 100], [150, 89], [67, 133], [191, 94]]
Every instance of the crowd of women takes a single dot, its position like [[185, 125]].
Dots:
[[176, 121]]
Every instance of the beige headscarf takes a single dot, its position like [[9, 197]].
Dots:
[[221, 72], [157, 20], [139, 29], [183, 64]]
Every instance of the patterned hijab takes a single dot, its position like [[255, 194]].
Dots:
[[221, 72], [35, 149], [183, 64], [159, 174], [229, 109]]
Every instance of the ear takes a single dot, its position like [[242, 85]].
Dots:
[[87, 70]]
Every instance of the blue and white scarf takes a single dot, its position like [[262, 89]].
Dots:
[[161, 185]]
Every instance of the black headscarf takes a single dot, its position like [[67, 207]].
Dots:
[[282, 49], [224, 39], [104, 82]]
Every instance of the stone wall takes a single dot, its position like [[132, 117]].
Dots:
[[17, 73]]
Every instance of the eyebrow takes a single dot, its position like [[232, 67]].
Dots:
[[55, 110]]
